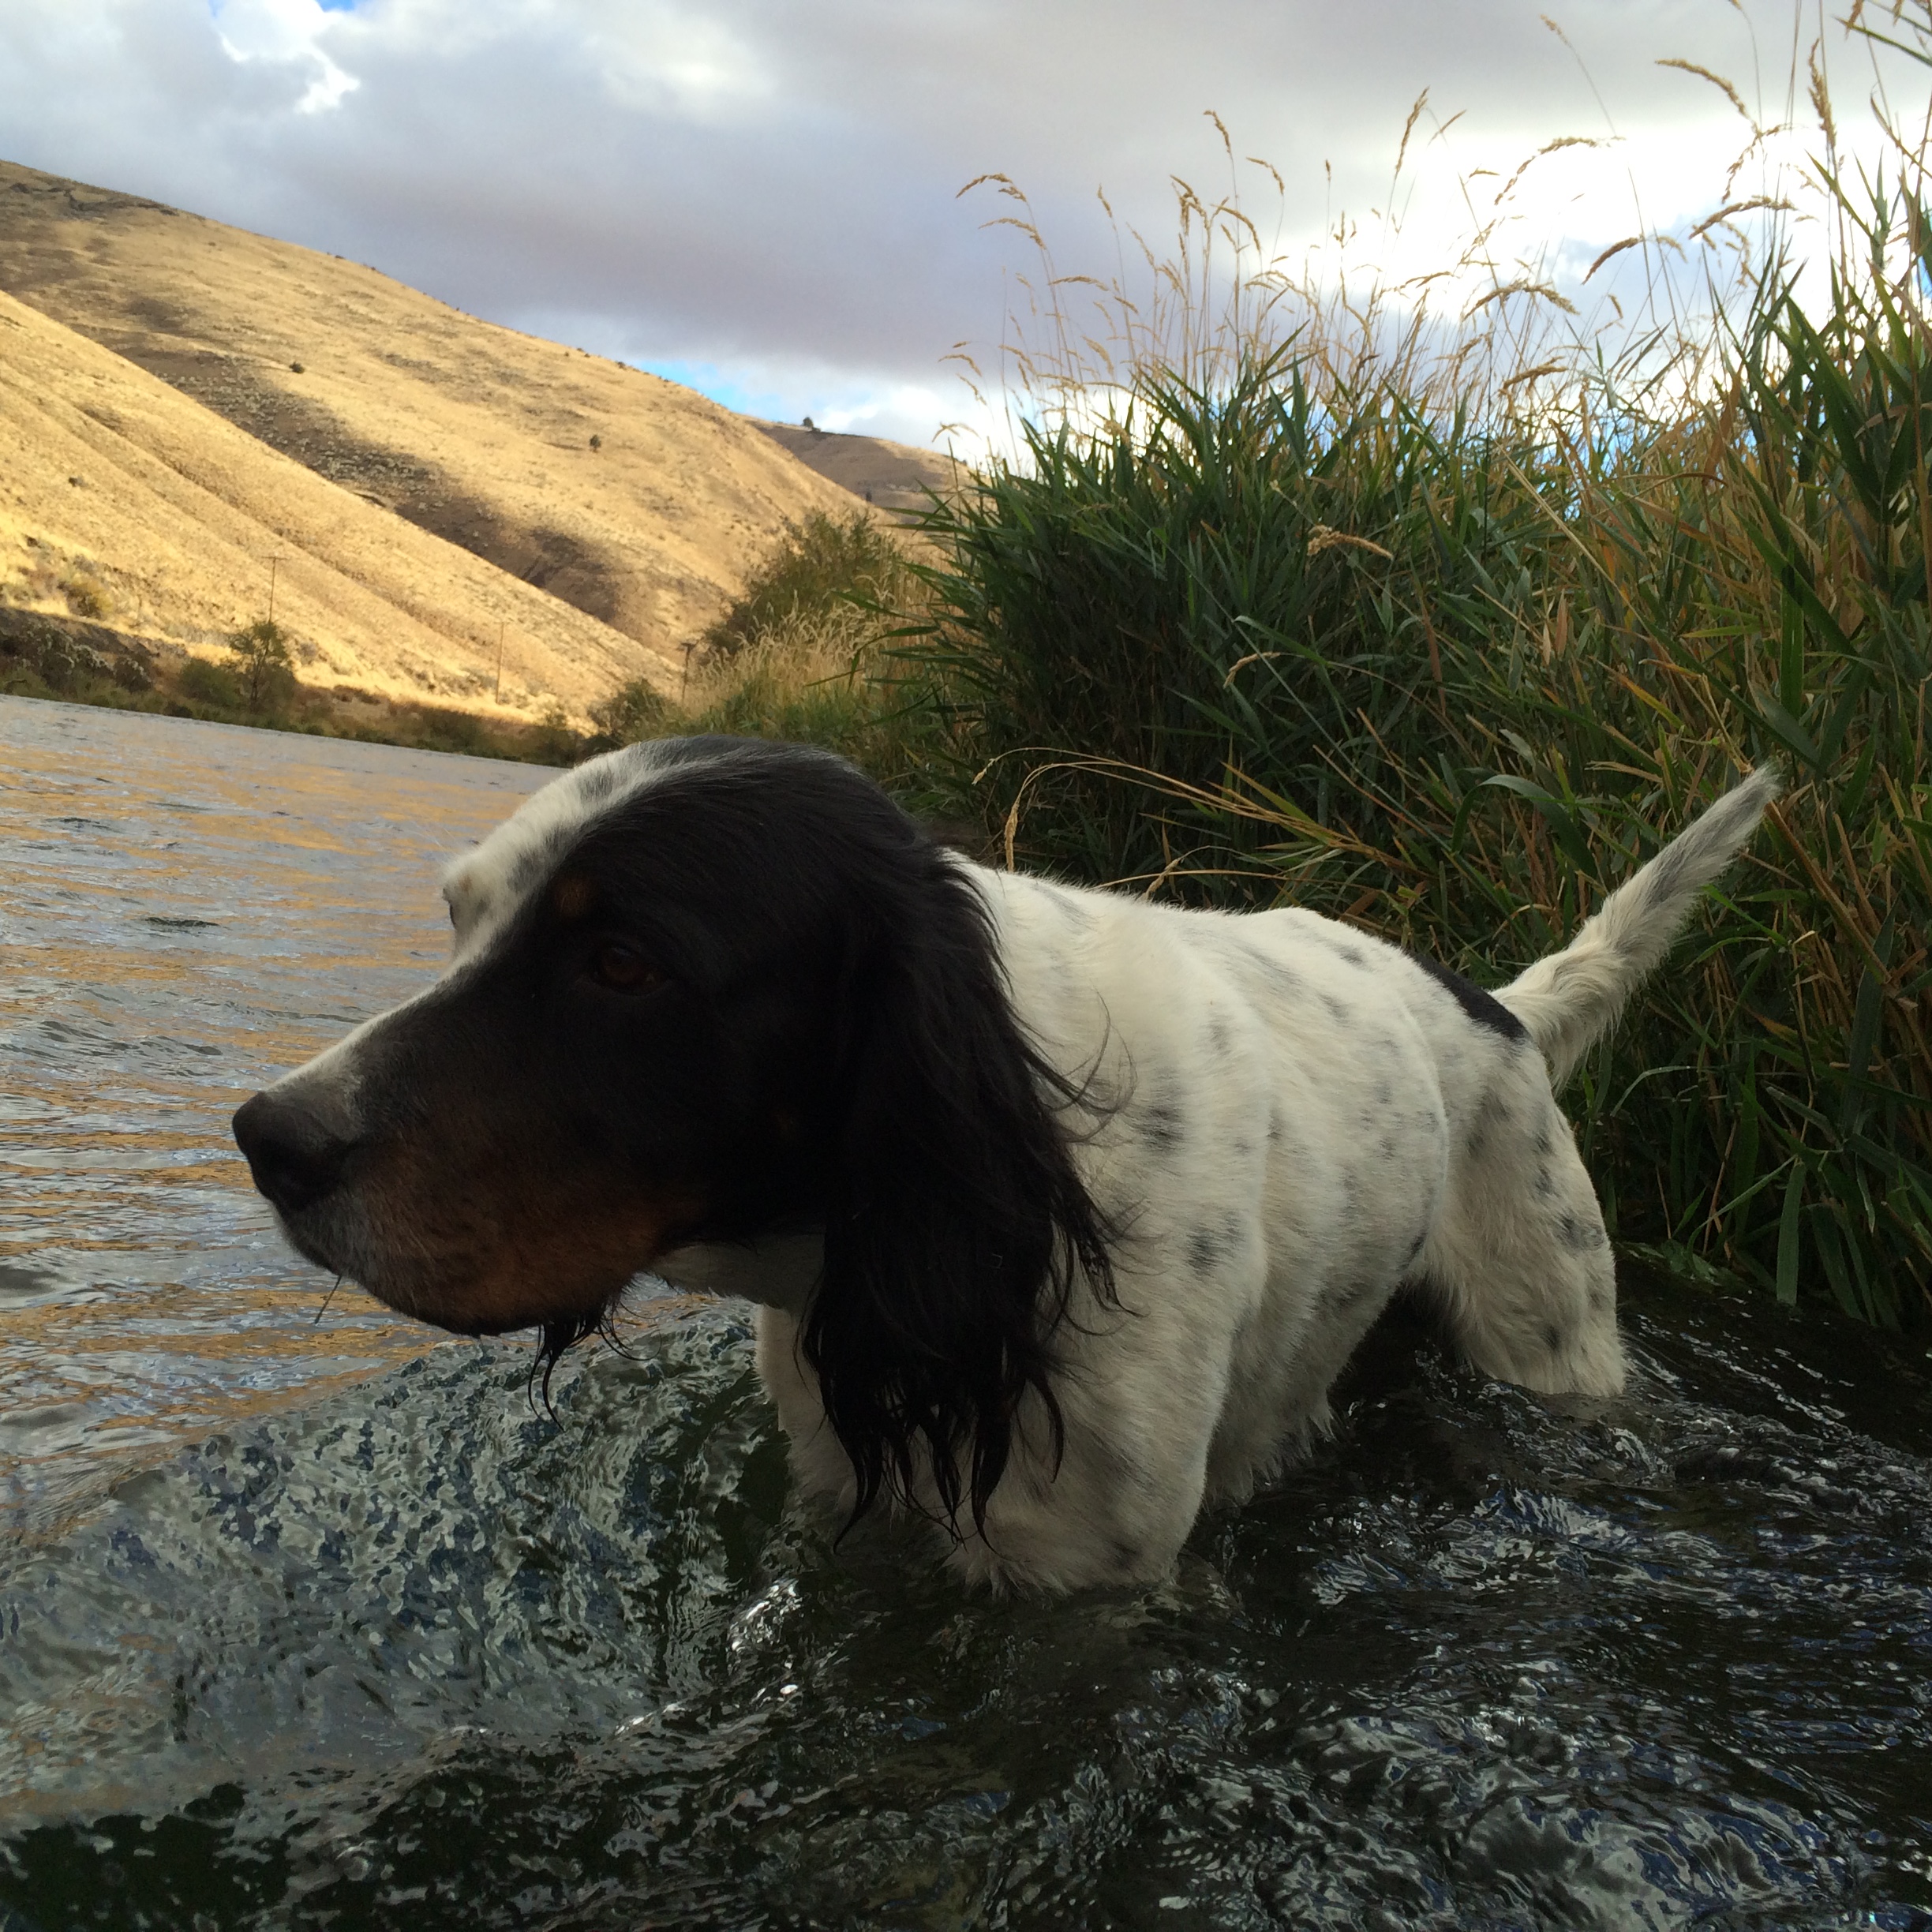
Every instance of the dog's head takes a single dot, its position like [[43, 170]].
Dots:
[[711, 990]]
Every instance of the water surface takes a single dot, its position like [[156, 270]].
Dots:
[[186, 910], [320, 1629]]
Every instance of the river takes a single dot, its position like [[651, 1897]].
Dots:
[[309, 1620]]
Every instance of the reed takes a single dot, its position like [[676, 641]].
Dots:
[[1440, 624]]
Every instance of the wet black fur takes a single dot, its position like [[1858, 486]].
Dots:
[[1483, 1008], [846, 976]]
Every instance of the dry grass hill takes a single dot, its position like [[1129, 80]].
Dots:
[[264, 406], [121, 501], [892, 476]]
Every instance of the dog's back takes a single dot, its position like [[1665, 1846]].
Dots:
[[1306, 1120]]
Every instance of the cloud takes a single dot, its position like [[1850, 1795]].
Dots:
[[283, 34], [765, 195]]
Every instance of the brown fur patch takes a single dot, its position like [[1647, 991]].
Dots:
[[499, 1252], [572, 896]]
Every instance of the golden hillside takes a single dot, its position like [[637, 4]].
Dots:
[[473, 433], [122, 499], [894, 476]]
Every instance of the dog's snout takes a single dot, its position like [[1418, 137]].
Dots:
[[294, 1158]]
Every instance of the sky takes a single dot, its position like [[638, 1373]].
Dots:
[[762, 198]]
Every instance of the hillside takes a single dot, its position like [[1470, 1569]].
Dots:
[[894, 476], [123, 500], [474, 434]]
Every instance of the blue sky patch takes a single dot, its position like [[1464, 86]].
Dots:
[[722, 386]]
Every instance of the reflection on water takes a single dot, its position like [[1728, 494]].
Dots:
[[186, 909], [409, 1653]]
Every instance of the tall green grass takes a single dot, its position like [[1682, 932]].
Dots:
[[1441, 631], [1293, 590]]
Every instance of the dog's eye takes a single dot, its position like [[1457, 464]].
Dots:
[[624, 969]]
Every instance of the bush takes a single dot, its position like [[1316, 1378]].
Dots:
[[451, 731], [210, 684], [62, 664], [636, 710], [85, 596], [815, 677], [819, 564], [264, 666], [23, 638], [805, 655]]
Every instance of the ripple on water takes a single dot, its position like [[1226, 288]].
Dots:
[[418, 1646], [396, 1647]]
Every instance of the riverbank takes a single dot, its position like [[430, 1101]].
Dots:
[[78, 661]]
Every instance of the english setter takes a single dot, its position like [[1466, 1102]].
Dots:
[[1063, 1209]]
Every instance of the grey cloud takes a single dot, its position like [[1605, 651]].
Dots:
[[498, 157]]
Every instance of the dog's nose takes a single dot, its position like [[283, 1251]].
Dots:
[[294, 1160]]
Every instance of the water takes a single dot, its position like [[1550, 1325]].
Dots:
[[186, 909], [390, 1648]]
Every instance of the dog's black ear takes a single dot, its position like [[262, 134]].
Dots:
[[958, 1225]]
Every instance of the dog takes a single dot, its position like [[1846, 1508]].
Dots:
[[1063, 1209]]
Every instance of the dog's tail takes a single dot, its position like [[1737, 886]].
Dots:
[[1569, 999]]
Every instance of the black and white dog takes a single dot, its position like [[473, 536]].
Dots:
[[1064, 1209]]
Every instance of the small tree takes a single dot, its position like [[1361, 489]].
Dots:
[[636, 710], [263, 663]]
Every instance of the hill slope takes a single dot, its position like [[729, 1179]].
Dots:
[[894, 476], [472, 433], [122, 500]]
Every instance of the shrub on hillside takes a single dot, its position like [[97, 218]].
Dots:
[[22, 636], [85, 595], [210, 684], [50, 659], [264, 666], [131, 673], [821, 562]]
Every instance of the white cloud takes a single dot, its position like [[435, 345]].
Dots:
[[285, 33]]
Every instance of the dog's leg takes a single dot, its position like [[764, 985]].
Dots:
[[818, 1461], [1518, 1263], [1113, 1512]]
